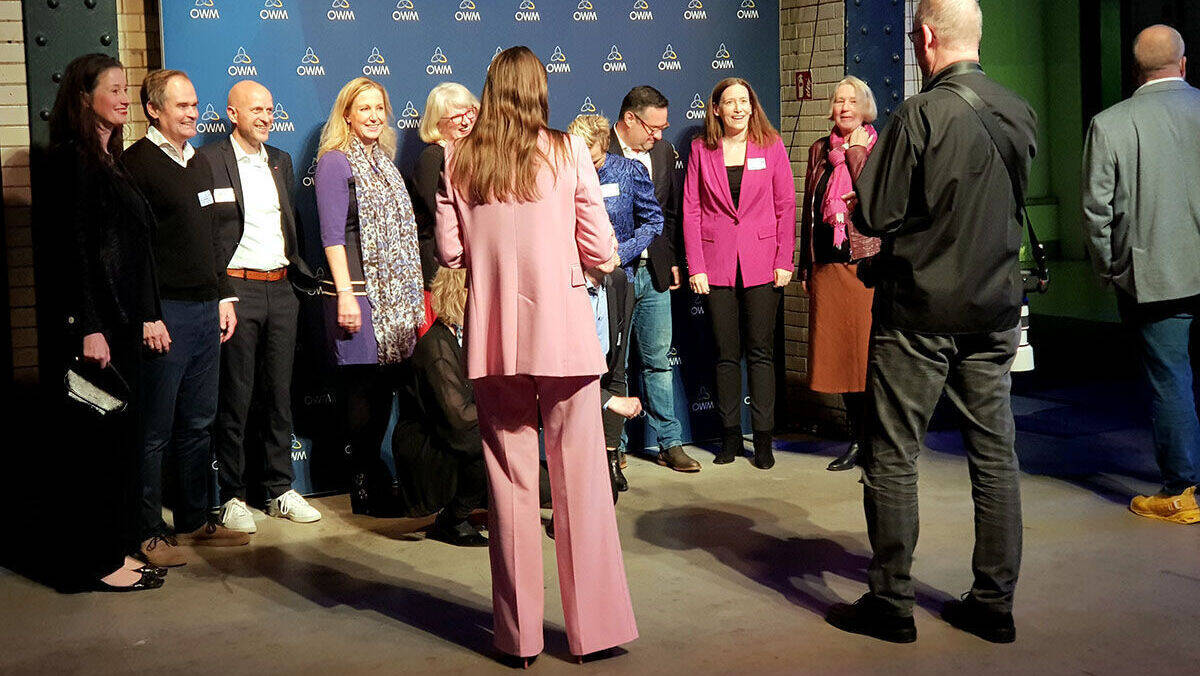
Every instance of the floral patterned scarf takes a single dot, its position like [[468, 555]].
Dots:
[[390, 259]]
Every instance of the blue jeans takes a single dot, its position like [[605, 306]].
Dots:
[[1163, 342], [652, 335], [179, 403]]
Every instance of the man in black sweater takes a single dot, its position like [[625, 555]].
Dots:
[[181, 373]]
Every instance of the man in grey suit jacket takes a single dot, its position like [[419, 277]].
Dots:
[[1142, 215]]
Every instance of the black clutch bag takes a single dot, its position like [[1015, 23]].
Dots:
[[100, 390]]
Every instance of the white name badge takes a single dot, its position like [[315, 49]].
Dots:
[[224, 195], [756, 163], [205, 198], [610, 189]]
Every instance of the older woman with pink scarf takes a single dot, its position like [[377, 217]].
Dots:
[[839, 303]]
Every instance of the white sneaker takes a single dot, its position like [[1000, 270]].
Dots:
[[292, 506], [236, 515]]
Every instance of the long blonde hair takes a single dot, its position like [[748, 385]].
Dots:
[[336, 135], [501, 159], [448, 295]]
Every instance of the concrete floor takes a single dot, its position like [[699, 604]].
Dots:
[[730, 571]]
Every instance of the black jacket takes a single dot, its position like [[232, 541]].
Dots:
[[231, 215], [107, 274], [442, 394], [669, 192], [425, 180], [936, 189]]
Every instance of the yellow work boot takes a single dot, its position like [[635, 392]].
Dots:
[[1180, 508]]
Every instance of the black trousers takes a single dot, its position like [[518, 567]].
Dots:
[[745, 316], [256, 366], [906, 375], [365, 393]]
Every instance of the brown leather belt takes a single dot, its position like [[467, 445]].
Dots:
[[258, 275]]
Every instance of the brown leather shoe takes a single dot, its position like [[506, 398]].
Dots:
[[678, 460], [163, 552], [213, 535]]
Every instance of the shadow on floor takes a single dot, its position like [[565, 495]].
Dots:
[[794, 567]]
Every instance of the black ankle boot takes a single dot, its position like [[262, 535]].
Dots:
[[731, 446], [845, 461], [764, 455], [615, 475]]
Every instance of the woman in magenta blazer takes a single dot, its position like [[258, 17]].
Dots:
[[521, 209], [739, 229]]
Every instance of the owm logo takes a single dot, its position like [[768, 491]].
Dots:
[[376, 65], [405, 11], [558, 62], [641, 11], [205, 9], [748, 10], [210, 122], [243, 65], [588, 106], [409, 118], [584, 11], [704, 400], [439, 64], [273, 10], [309, 176], [670, 61], [695, 11], [615, 63], [282, 121], [723, 60], [340, 11], [696, 109], [466, 11], [527, 11], [310, 64]]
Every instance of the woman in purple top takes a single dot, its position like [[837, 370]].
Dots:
[[374, 302]]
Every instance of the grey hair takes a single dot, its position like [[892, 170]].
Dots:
[[957, 23], [866, 98]]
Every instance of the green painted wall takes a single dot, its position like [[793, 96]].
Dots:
[[1033, 48]]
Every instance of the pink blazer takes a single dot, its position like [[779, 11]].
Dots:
[[760, 234], [528, 310]]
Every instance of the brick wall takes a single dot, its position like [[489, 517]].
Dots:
[[815, 27], [140, 50], [14, 158]]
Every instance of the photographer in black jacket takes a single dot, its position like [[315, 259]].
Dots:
[[946, 313]]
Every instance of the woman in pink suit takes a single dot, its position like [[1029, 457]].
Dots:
[[739, 230], [521, 209]]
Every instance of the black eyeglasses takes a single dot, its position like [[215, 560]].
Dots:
[[650, 129], [915, 35]]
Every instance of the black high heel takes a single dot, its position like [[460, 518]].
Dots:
[[151, 570], [515, 661], [731, 446], [764, 455], [147, 581]]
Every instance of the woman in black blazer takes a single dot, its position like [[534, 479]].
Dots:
[[449, 115], [107, 291]]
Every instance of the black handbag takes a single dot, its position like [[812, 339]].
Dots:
[[100, 390]]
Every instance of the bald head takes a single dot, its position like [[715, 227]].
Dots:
[[252, 112], [1158, 51], [958, 24]]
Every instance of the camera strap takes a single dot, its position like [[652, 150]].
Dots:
[[1008, 154]]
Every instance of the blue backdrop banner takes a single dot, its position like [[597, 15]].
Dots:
[[594, 51]]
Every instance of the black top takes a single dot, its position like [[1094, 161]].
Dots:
[[619, 292], [823, 249], [444, 396], [425, 180], [936, 190], [735, 182], [107, 276], [187, 251]]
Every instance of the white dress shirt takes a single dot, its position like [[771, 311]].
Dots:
[[262, 246], [156, 137], [1161, 79], [642, 156]]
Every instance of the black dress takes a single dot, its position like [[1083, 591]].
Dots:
[[426, 179], [438, 451]]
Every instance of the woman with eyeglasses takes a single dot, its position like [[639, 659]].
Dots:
[[450, 112], [739, 214]]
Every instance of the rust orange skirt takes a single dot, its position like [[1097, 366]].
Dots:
[[839, 328]]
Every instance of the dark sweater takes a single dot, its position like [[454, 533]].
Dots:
[[186, 250]]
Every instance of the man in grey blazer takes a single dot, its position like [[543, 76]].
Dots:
[[1141, 205]]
